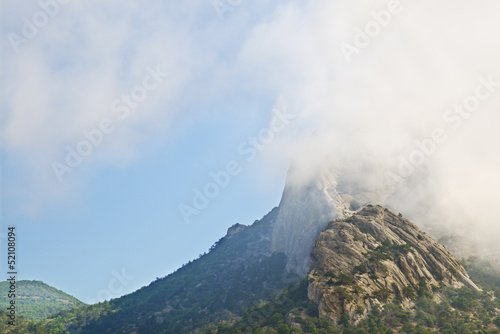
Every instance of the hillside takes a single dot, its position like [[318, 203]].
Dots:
[[23, 326], [375, 272], [372, 272], [458, 311], [238, 271], [37, 300]]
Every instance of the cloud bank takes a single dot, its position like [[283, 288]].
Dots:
[[418, 99], [373, 82]]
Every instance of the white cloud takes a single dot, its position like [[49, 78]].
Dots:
[[394, 92], [65, 78], [369, 111]]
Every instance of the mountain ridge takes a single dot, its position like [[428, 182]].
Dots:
[[241, 286], [238, 271], [325, 249]]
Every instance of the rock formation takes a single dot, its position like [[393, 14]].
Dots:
[[373, 257], [307, 206]]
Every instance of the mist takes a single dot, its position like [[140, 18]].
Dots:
[[407, 110], [375, 85]]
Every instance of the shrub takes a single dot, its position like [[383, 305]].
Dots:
[[453, 271], [357, 289], [312, 309], [343, 294], [345, 279], [329, 273], [408, 291], [276, 319], [367, 230], [283, 329], [382, 294], [361, 269]]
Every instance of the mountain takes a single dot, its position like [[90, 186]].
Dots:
[[308, 204], [373, 257], [327, 260], [36, 300], [239, 270], [371, 272], [462, 310], [376, 272]]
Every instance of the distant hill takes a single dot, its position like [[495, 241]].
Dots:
[[36, 300]]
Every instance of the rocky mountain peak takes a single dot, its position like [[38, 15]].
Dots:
[[308, 204], [374, 257]]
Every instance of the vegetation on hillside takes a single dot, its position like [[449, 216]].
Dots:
[[36, 300], [23, 326], [460, 311], [238, 271], [484, 273], [238, 287]]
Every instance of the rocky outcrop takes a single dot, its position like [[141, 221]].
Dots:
[[235, 229], [373, 257], [308, 205], [304, 212]]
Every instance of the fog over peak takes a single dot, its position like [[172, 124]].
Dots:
[[386, 96], [417, 109]]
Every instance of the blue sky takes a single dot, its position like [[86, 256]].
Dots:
[[118, 210], [231, 70]]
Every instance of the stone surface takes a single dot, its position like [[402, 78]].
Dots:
[[308, 205], [373, 257]]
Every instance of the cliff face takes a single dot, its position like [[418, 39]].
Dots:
[[373, 257], [307, 206], [304, 212]]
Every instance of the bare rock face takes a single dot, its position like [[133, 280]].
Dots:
[[373, 257], [304, 212], [235, 229], [306, 208]]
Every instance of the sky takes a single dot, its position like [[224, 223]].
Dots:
[[133, 134]]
